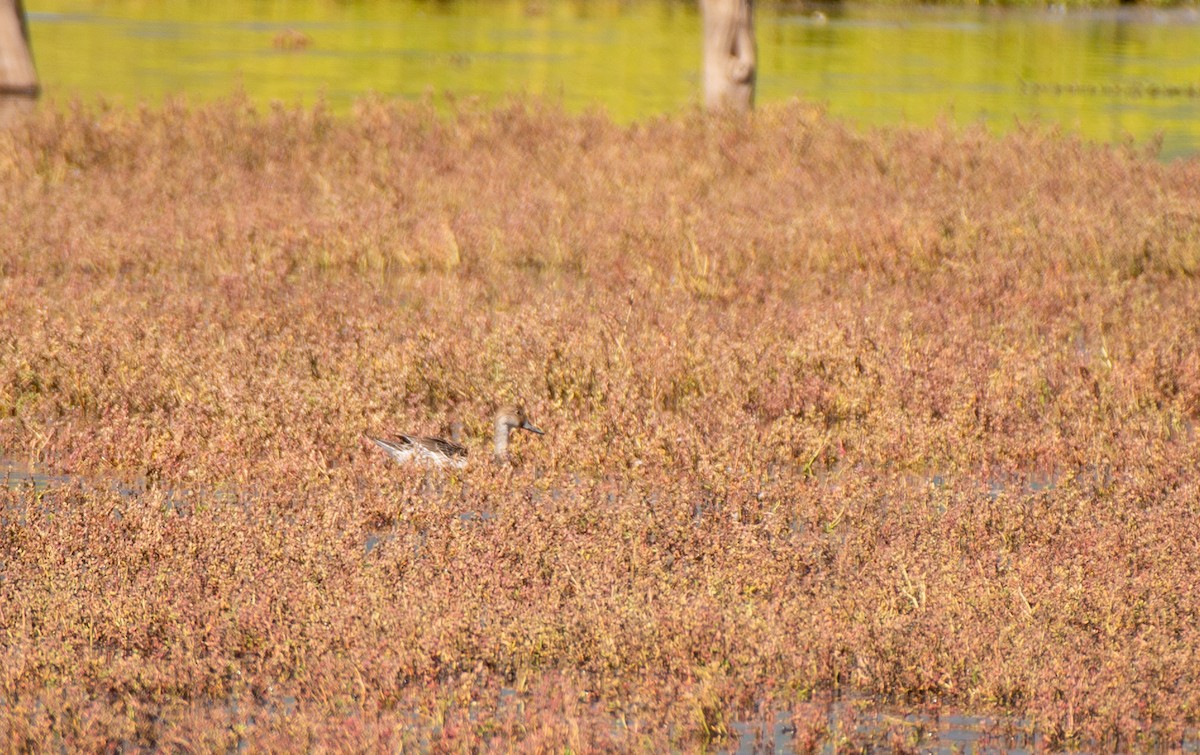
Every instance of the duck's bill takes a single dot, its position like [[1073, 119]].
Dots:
[[527, 426]]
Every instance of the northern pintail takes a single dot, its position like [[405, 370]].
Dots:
[[451, 453]]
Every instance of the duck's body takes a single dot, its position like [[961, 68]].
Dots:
[[440, 452]]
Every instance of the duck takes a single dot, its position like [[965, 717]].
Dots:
[[441, 452]]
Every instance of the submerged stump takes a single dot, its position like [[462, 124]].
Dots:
[[729, 54], [18, 77]]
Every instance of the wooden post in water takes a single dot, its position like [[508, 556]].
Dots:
[[17, 74], [729, 54]]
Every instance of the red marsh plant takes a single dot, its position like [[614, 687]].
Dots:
[[907, 413]]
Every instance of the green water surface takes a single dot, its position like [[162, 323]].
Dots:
[[1107, 74]]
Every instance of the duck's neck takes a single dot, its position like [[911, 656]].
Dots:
[[501, 440]]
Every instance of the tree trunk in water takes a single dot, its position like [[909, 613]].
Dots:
[[17, 74], [729, 54]]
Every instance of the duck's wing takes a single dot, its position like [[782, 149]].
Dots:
[[409, 448], [438, 447], [399, 449]]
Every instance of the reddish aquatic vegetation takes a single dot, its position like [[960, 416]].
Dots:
[[908, 412]]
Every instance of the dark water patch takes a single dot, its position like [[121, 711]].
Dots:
[[878, 728], [48, 488]]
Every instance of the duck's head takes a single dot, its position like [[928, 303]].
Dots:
[[513, 418]]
